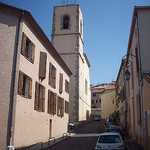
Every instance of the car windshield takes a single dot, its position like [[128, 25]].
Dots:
[[109, 139]]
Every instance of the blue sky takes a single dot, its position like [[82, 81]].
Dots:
[[106, 30]]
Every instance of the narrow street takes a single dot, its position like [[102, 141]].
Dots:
[[85, 138]]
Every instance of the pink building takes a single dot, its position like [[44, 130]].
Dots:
[[35, 82]]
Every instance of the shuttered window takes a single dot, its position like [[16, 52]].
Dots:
[[25, 85], [39, 97], [42, 65], [66, 86], [66, 107], [60, 83], [60, 107], [51, 102], [52, 76], [28, 48]]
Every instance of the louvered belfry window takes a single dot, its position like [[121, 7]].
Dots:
[[65, 22], [28, 48], [25, 85], [42, 65], [39, 97]]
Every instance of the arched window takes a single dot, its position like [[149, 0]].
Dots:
[[65, 22]]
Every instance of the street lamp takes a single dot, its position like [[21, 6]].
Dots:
[[127, 65]]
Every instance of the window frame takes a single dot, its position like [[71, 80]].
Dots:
[[27, 50], [38, 105], [24, 85]]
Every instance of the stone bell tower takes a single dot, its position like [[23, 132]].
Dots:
[[67, 38]]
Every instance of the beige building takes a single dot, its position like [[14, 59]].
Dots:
[[35, 82], [138, 87], [103, 99], [67, 37]]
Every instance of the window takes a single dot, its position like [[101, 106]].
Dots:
[[60, 83], [67, 86], [39, 97], [52, 76], [60, 107], [66, 107], [42, 65], [96, 101], [92, 101], [52, 102], [99, 100], [65, 22], [94, 94], [28, 48], [25, 85], [85, 86]]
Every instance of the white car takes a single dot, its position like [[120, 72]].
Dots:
[[110, 141]]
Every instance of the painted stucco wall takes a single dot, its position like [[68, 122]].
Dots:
[[144, 33], [32, 126], [8, 30], [107, 104]]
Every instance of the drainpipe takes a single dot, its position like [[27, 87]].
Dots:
[[12, 92], [141, 78]]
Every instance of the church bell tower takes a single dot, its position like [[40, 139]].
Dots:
[[67, 38]]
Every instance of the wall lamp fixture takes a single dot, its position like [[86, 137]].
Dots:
[[127, 65]]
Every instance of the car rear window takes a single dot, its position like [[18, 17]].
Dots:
[[109, 139]]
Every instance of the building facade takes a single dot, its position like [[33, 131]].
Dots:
[[67, 38], [103, 99], [35, 94], [137, 88]]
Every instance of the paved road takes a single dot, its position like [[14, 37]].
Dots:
[[84, 139]]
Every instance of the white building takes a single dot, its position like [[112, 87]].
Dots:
[[67, 38]]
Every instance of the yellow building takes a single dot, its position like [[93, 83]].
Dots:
[[108, 101]]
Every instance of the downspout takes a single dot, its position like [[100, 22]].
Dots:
[[141, 78], [13, 85]]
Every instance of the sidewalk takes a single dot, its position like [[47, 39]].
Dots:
[[132, 145]]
